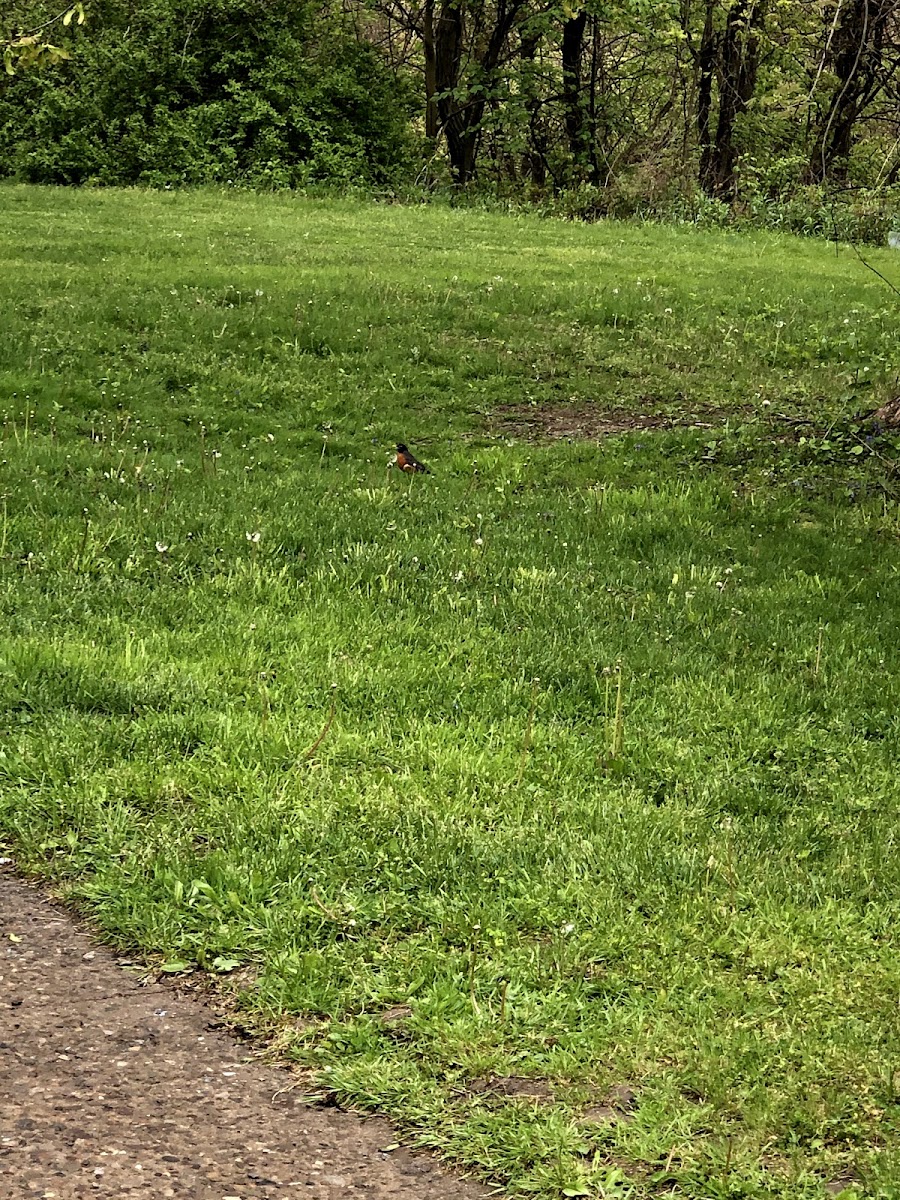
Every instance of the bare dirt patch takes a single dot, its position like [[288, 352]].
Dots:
[[114, 1088], [588, 422], [618, 1108], [395, 1015], [511, 1086]]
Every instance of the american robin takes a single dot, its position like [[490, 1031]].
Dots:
[[407, 461]]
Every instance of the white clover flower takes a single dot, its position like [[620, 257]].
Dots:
[[253, 538], [161, 547]]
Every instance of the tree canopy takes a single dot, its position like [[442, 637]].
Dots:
[[616, 104]]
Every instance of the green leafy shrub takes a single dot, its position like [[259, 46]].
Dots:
[[212, 92], [862, 215]]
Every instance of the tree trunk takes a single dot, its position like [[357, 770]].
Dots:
[[739, 66], [732, 55], [431, 111], [448, 44], [536, 154], [573, 106], [706, 61], [460, 116], [856, 59]]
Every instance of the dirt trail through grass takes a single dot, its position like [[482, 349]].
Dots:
[[114, 1089]]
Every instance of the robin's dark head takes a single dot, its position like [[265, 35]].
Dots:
[[402, 449]]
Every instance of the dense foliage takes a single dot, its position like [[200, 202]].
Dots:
[[210, 90], [785, 114]]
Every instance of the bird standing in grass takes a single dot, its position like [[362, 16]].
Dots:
[[407, 461]]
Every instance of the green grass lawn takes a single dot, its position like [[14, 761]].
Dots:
[[592, 880]]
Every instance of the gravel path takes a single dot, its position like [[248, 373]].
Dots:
[[111, 1089]]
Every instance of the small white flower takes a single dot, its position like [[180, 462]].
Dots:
[[253, 537], [161, 547], [458, 577], [217, 453], [568, 928], [270, 437], [479, 541]]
